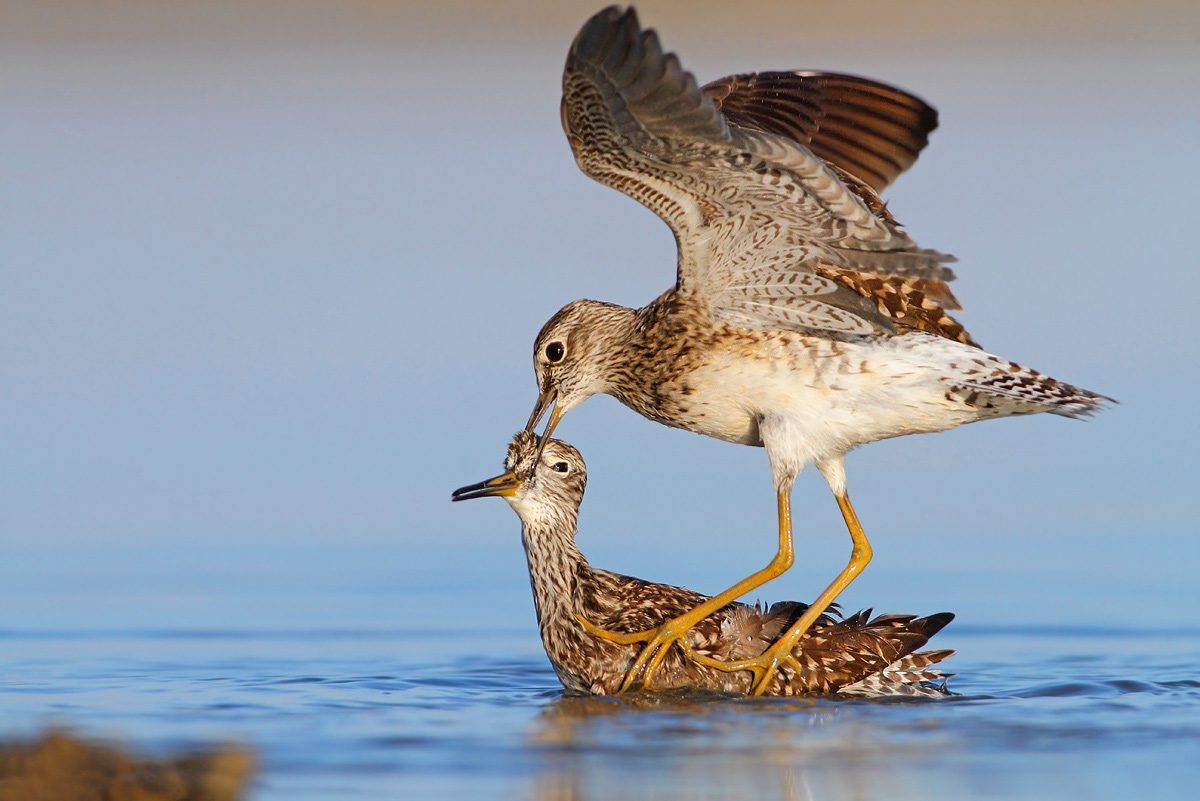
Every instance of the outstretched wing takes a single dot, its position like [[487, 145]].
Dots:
[[754, 212], [871, 130]]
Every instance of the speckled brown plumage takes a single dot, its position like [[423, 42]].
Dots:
[[910, 304], [803, 319], [860, 655], [781, 262]]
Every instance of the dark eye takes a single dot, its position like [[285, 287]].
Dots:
[[561, 467], [554, 351]]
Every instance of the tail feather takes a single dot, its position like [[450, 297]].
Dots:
[[858, 655], [911, 675], [1008, 388]]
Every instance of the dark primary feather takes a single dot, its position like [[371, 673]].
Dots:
[[871, 130], [646, 89]]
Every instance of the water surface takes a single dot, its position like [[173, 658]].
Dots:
[[421, 691]]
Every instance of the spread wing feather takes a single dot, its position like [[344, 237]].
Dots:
[[745, 202], [871, 130]]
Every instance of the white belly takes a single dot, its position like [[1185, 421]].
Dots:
[[818, 399]]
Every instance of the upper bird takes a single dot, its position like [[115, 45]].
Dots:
[[856, 656], [802, 318]]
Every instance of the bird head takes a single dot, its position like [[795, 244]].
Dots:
[[574, 357], [541, 489]]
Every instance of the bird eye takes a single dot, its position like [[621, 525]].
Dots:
[[555, 351], [560, 467]]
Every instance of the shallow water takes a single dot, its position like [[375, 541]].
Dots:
[[352, 707]]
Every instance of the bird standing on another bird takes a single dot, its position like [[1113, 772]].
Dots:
[[856, 656], [803, 319]]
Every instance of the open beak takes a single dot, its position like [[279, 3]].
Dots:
[[548, 400], [504, 486]]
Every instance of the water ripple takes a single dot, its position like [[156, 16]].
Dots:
[[422, 715]]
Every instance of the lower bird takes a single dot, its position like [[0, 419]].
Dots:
[[803, 318], [858, 656]]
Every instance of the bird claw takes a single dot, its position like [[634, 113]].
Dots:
[[620, 638], [658, 643], [762, 667]]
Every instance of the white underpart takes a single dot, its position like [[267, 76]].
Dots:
[[531, 508], [812, 400]]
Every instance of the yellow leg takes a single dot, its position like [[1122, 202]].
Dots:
[[780, 652], [765, 664], [659, 640]]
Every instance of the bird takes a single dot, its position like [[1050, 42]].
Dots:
[[857, 656], [803, 319]]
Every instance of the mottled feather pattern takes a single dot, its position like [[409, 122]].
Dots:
[[751, 230], [997, 387], [803, 319], [908, 676], [741, 200], [910, 304], [833, 654], [669, 362]]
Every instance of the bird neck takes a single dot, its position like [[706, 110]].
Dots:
[[646, 359], [606, 338], [554, 566], [561, 579]]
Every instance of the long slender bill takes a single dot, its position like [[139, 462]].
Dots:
[[548, 400], [545, 401], [501, 486]]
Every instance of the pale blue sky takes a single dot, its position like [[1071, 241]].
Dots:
[[274, 291]]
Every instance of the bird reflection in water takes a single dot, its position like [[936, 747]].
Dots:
[[689, 745]]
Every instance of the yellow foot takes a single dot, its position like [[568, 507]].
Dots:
[[658, 644], [762, 667]]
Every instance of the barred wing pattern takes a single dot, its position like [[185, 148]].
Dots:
[[753, 211], [871, 130]]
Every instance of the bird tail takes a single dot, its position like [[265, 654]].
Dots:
[[1014, 389], [912, 673], [909, 676]]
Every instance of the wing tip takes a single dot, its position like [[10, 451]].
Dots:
[[647, 89], [594, 33]]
